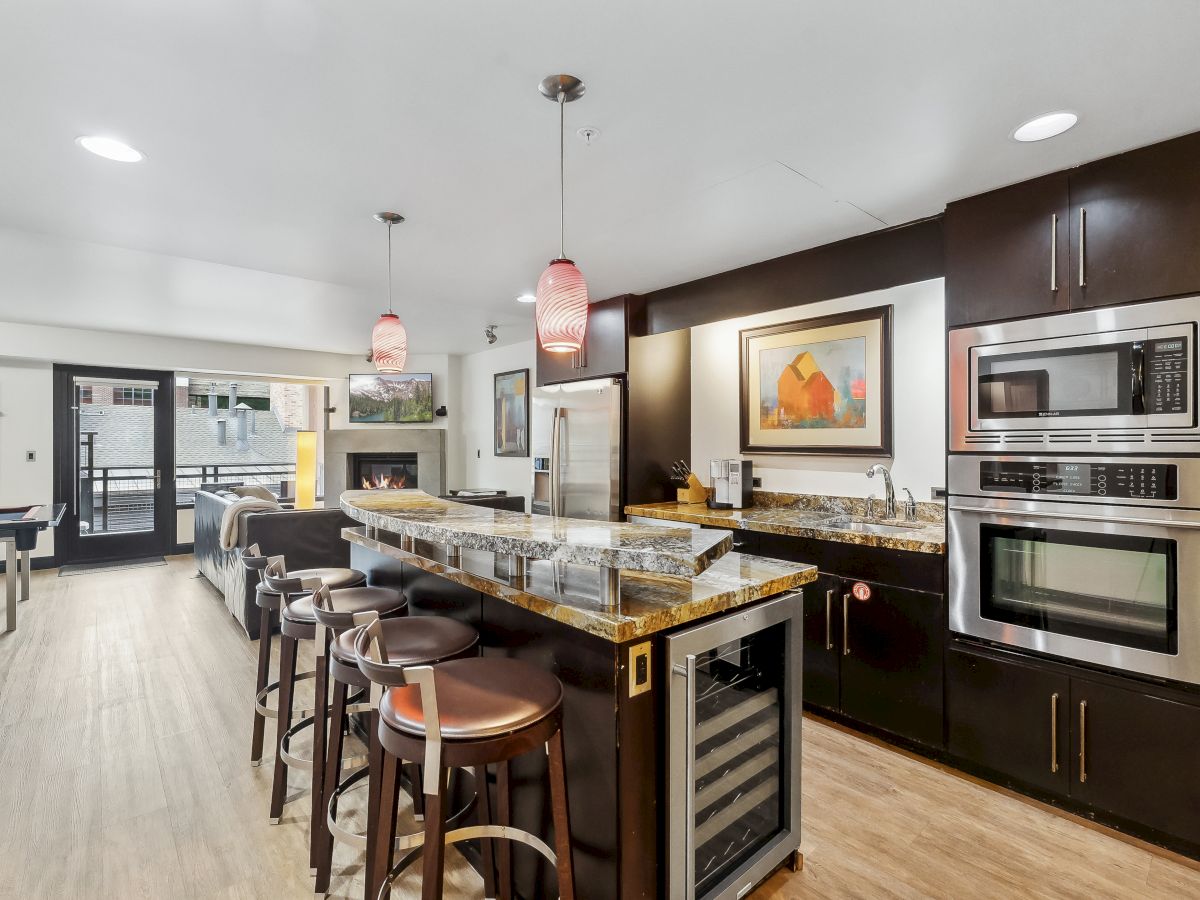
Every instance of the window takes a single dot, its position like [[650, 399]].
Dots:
[[133, 396], [85, 394]]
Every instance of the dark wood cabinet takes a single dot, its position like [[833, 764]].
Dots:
[[1134, 755], [605, 344], [1007, 252], [892, 662], [1009, 717], [1135, 225], [1117, 230], [822, 642]]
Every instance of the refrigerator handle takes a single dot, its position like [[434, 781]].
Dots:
[[555, 506]]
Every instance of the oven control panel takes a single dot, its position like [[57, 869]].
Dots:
[[1138, 481], [1166, 368]]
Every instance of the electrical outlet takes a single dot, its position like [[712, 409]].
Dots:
[[937, 493], [639, 668], [30, 456], [755, 481]]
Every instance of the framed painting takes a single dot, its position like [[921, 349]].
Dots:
[[511, 423], [819, 386]]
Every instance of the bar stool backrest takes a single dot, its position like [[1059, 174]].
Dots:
[[326, 614], [371, 652], [276, 579]]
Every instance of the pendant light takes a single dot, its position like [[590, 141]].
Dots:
[[389, 340], [562, 297]]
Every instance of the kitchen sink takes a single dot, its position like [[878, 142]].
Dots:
[[845, 523]]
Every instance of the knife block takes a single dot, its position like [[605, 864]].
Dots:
[[695, 492]]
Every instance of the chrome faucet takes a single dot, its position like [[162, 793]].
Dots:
[[910, 507], [889, 492]]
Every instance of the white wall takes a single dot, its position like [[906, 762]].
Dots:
[[25, 424], [481, 468], [918, 398]]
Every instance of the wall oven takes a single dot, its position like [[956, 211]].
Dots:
[[1095, 559], [1119, 379]]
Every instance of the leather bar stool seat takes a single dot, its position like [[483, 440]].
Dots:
[[350, 600], [414, 640], [478, 698], [333, 577]]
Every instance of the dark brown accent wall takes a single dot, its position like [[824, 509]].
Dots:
[[882, 259], [658, 424]]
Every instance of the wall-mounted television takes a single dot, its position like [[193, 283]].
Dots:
[[391, 399]]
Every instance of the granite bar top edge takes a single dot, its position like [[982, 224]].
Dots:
[[923, 537], [553, 538], [611, 625]]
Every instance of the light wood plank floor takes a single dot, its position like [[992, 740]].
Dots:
[[124, 736]]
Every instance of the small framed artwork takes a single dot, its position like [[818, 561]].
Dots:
[[512, 413], [819, 386]]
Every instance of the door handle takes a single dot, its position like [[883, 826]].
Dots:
[[1054, 733], [1054, 253], [1082, 741], [158, 479], [845, 624], [1082, 247], [828, 619]]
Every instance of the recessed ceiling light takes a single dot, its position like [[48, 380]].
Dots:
[[527, 298], [1047, 126], [109, 148]]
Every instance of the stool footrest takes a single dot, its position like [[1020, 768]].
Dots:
[[471, 832], [260, 699]]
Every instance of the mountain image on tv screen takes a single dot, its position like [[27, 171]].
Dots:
[[391, 398]]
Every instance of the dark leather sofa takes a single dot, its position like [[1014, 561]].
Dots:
[[307, 538]]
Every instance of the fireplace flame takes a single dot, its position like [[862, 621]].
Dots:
[[384, 482]]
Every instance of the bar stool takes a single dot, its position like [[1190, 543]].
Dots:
[[411, 640], [297, 622], [461, 713], [268, 603]]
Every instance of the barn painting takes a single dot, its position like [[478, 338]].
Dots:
[[818, 385]]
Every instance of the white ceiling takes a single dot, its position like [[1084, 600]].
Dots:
[[730, 133]]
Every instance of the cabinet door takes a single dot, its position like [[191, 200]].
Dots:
[[822, 640], [1140, 213], [892, 667], [1006, 252], [554, 367], [1135, 756], [604, 346], [1009, 717]]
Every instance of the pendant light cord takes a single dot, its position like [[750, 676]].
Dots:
[[562, 181], [389, 225]]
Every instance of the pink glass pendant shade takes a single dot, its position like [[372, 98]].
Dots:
[[562, 307], [389, 344]]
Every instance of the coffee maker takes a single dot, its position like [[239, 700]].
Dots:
[[732, 484]]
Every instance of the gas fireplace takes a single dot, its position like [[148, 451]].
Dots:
[[382, 471]]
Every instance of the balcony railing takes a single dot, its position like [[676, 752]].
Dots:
[[121, 498]]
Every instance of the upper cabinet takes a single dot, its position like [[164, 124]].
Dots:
[[605, 350], [1006, 252], [1118, 230], [1135, 230]]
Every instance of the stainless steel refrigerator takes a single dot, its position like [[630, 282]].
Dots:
[[576, 444]]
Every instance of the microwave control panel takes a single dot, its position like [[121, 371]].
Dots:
[[1166, 375], [1133, 480]]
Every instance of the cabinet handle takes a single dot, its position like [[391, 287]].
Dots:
[[845, 624], [1082, 247], [1054, 733], [1054, 253], [1082, 741], [828, 622]]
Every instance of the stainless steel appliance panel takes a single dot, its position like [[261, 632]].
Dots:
[[576, 448], [1116, 586], [734, 749], [1112, 380]]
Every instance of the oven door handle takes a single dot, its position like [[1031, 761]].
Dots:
[[1044, 514]]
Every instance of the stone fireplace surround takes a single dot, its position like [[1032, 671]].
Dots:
[[428, 443]]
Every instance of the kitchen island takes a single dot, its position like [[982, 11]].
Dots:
[[542, 589]]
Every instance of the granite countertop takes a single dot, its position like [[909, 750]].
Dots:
[[810, 516], [616, 545], [650, 602]]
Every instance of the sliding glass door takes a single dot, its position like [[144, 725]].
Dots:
[[113, 462]]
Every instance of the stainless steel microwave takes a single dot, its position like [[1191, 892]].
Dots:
[[1118, 379]]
